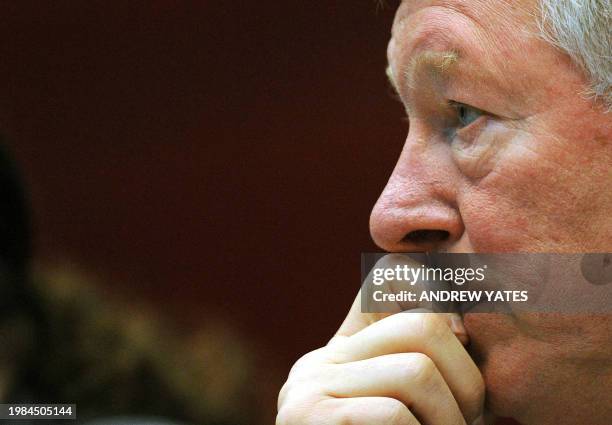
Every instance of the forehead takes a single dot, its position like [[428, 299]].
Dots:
[[474, 8], [490, 39], [485, 30], [410, 6], [496, 18]]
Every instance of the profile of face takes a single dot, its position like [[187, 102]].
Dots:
[[505, 153]]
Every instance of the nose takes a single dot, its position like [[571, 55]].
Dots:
[[417, 211]]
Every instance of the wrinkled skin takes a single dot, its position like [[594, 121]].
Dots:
[[525, 166]]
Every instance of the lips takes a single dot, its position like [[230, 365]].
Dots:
[[443, 260]]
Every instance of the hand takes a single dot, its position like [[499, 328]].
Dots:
[[407, 368]]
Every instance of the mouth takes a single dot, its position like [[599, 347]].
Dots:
[[481, 290], [454, 261]]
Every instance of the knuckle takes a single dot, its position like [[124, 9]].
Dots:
[[311, 375], [406, 366], [295, 390], [292, 414], [287, 417], [433, 327], [425, 370], [344, 418], [307, 360], [283, 417], [304, 384], [282, 394], [393, 412]]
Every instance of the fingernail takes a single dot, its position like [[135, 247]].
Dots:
[[457, 325]]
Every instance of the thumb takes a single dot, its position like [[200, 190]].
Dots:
[[356, 320], [359, 317]]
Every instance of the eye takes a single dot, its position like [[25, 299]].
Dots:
[[466, 114]]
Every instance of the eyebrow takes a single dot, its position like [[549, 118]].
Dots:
[[435, 63]]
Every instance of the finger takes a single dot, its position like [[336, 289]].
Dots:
[[426, 333], [400, 281], [356, 321], [411, 378], [364, 311], [308, 361], [363, 411]]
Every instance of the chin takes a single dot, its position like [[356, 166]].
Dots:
[[507, 368]]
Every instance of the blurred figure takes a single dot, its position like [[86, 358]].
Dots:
[[60, 342]]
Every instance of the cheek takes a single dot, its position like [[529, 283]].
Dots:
[[527, 194], [497, 348], [497, 198], [495, 223], [535, 360]]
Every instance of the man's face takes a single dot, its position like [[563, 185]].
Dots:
[[505, 153]]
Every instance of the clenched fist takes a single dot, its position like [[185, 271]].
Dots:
[[408, 368]]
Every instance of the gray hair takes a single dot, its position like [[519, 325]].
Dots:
[[583, 30]]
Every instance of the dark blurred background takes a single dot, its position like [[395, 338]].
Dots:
[[216, 159]]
